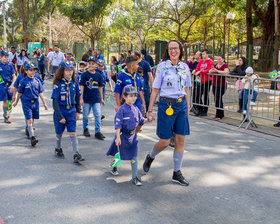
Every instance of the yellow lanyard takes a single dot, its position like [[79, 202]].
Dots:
[[133, 78]]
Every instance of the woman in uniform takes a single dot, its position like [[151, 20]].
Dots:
[[172, 83]]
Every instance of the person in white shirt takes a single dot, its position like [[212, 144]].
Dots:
[[248, 85], [55, 59]]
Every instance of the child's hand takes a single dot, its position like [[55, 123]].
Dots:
[[151, 117], [46, 106], [112, 90], [77, 116], [117, 108], [15, 104], [118, 141], [62, 121], [102, 102], [81, 102]]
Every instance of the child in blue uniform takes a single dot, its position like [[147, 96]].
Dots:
[[82, 69], [100, 69], [20, 77], [66, 105], [127, 118], [29, 90], [91, 90], [130, 77], [7, 79]]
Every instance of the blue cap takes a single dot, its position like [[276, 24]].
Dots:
[[66, 64], [28, 65], [100, 62], [82, 63], [91, 58], [130, 89], [4, 53]]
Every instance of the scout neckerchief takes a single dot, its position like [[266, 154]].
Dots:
[[133, 76], [68, 95]]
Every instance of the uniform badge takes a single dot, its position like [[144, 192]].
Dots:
[[169, 84], [169, 111], [184, 73], [164, 69]]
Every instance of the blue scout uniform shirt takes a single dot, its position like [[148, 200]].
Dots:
[[91, 82], [60, 93], [128, 117], [30, 88], [21, 77], [6, 71], [104, 74], [125, 78], [146, 68], [172, 80]]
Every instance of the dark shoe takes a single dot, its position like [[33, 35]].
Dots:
[[99, 136], [102, 117], [240, 111], [27, 133], [147, 163], [114, 171], [277, 125], [78, 157], [86, 133], [59, 153], [203, 114], [34, 141], [137, 181], [178, 178], [7, 120]]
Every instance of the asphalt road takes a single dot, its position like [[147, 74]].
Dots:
[[234, 177]]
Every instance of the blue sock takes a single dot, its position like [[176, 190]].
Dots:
[[178, 159], [134, 167], [74, 141], [153, 153], [31, 131], [58, 141]]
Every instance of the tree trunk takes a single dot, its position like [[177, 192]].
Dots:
[[92, 42], [277, 36], [249, 24], [185, 47]]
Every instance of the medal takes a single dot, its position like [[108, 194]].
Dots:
[[169, 111]]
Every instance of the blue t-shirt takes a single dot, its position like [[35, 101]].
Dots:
[[6, 71], [146, 68], [30, 88], [21, 77], [105, 76], [91, 82]]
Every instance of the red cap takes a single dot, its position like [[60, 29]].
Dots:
[[50, 49]]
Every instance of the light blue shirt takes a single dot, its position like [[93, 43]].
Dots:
[[56, 58], [172, 80], [20, 61], [11, 57]]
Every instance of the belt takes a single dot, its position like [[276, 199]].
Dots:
[[179, 100], [125, 131]]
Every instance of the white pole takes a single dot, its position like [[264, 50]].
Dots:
[[50, 29], [4, 23]]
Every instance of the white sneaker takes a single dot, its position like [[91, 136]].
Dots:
[[252, 103], [244, 112], [114, 171]]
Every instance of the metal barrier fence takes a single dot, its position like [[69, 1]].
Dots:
[[227, 93]]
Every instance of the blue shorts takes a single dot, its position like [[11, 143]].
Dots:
[[177, 123], [30, 109], [70, 117], [5, 93]]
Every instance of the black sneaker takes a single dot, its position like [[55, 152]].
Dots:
[[59, 153], [114, 171], [178, 178], [78, 157], [137, 181], [34, 141], [147, 163], [102, 117], [86, 133], [7, 120], [99, 136], [277, 125]]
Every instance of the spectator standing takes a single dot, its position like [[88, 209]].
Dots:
[[55, 59], [203, 82], [13, 56], [21, 58], [190, 63], [148, 58], [239, 70], [114, 68], [219, 85], [89, 53], [41, 64]]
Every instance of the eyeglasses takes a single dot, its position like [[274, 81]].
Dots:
[[173, 48]]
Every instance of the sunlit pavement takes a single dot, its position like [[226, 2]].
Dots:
[[234, 176]]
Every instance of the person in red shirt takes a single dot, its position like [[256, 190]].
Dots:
[[219, 85], [204, 81]]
